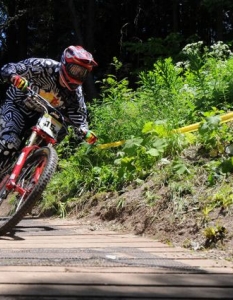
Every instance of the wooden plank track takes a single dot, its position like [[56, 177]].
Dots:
[[67, 259]]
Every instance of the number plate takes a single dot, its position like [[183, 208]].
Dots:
[[50, 125]]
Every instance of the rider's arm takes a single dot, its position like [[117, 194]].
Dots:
[[12, 69], [78, 113], [11, 73], [78, 116], [31, 68], [7, 71]]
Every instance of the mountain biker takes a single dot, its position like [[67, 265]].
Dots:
[[58, 82]]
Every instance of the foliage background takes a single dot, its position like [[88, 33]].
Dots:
[[137, 32]]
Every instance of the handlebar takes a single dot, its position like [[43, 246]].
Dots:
[[47, 107], [52, 110]]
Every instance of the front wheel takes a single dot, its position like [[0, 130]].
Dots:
[[35, 175]]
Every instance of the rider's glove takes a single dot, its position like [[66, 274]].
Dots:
[[90, 137], [20, 82]]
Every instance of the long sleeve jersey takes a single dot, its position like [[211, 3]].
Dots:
[[43, 77]]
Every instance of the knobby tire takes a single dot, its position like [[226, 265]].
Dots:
[[50, 156]]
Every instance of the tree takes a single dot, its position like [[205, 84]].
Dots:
[[104, 27]]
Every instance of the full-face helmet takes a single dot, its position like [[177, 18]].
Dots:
[[76, 63]]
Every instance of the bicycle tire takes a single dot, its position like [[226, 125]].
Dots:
[[43, 163]]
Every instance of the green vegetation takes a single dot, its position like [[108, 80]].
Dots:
[[198, 88]]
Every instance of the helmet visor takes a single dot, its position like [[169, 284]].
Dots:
[[76, 72]]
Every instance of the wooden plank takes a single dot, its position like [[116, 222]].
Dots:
[[60, 290], [93, 239], [60, 244], [89, 238], [200, 280], [115, 270], [88, 270], [176, 255]]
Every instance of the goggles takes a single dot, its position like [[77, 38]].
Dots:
[[76, 72]]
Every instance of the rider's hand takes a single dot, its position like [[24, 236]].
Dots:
[[90, 137], [20, 82]]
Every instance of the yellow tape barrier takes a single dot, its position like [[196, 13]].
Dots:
[[110, 145], [190, 128]]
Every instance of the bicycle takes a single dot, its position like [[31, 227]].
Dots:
[[23, 182]]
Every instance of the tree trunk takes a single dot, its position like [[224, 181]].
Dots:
[[75, 20], [11, 34], [175, 15], [219, 24], [88, 86], [22, 37], [90, 23], [89, 43]]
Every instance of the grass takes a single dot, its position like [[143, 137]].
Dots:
[[187, 169]]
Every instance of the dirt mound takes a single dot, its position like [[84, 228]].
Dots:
[[147, 210]]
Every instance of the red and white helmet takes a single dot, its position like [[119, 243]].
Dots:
[[76, 63]]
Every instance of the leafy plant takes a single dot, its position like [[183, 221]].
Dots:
[[214, 136], [213, 235]]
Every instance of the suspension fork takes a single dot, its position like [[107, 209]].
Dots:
[[31, 146], [18, 168]]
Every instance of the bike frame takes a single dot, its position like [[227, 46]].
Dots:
[[25, 152]]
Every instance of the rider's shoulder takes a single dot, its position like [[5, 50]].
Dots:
[[45, 62]]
